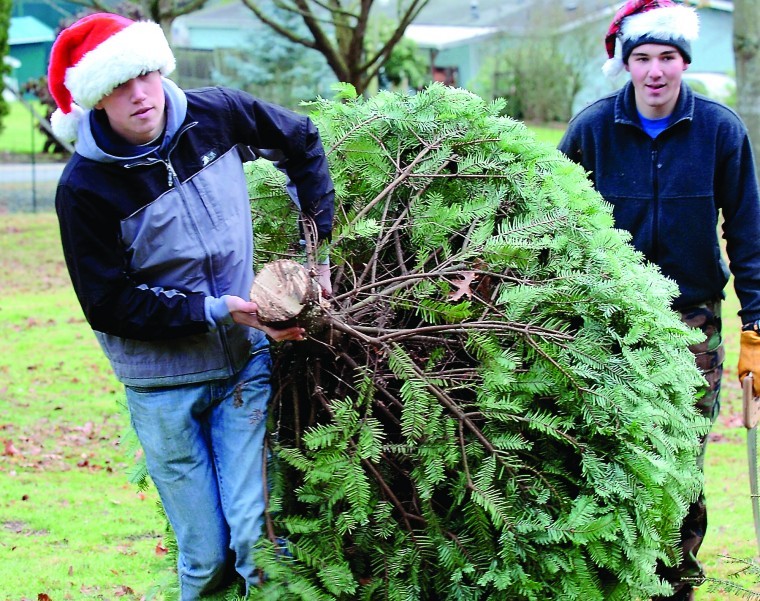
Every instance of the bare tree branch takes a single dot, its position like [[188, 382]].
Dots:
[[341, 34]]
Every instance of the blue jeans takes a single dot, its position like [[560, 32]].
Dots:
[[203, 446]]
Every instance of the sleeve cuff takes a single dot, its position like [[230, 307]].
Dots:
[[217, 312]]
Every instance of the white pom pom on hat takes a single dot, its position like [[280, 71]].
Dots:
[[614, 65], [649, 21], [93, 57]]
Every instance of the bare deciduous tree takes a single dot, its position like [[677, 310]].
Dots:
[[747, 55], [162, 12], [339, 30]]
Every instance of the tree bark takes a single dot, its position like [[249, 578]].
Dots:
[[747, 56], [285, 292]]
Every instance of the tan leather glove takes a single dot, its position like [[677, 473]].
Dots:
[[749, 358]]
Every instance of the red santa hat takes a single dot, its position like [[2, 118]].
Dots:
[[649, 22], [94, 56]]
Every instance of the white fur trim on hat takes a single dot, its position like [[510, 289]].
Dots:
[[666, 23], [614, 66], [133, 51], [66, 125]]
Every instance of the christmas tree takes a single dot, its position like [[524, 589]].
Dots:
[[499, 401]]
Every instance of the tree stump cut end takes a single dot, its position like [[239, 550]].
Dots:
[[283, 290]]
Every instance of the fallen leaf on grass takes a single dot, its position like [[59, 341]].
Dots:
[[43, 597], [733, 420], [160, 549], [122, 590], [87, 429], [10, 450], [126, 549], [88, 590]]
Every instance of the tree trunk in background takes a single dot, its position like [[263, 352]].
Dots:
[[347, 36], [747, 54]]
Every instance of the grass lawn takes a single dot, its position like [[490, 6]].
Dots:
[[71, 525], [19, 133]]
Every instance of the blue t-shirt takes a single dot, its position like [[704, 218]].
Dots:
[[654, 127]]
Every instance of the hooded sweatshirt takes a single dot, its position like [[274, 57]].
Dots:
[[155, 236]]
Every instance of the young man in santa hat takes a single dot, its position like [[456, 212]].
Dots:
[[669, 160], [156, 229]]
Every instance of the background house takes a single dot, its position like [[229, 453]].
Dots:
[[32, 30], [202, 39], [455, 36], [29, 41]]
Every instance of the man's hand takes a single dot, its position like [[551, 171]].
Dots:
[[246, 313], [323, 277], [749, 358]]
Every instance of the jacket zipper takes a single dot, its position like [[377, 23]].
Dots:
[[170, 173], [655, 201], [172, 177]]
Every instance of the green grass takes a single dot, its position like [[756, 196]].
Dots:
[[549, 134], [73, 527], [19, 132]]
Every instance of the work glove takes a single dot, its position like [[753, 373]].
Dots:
[[749, 358]]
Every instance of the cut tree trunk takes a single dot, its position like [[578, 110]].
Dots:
[[286, 293]]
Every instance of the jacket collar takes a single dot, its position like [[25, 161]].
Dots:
[[176, 111], [627, 114]]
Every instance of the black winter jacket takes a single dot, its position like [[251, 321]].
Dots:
[[152, 241], [668, 192]]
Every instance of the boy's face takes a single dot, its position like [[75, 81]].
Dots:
[[656, 71], [135, 109]]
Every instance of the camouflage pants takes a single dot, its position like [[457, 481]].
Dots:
[[709, 356]]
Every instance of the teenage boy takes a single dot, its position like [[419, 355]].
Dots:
[[669, 161], [156, 229]]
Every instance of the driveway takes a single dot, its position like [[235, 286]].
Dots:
[[27, 187], [28, 172]]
